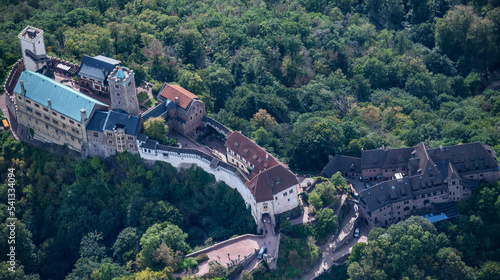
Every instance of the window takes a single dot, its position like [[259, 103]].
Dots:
[[71, 122], [46, 127], [110, 141], [130, 138], [28, 101], [36, 121], [29, 109], [129, 83], [291, 191], [64, 126], [96, 134], [62, 117], [109, 134], [45, 109], [54, 114], [55, 122], [20, 98], [284, 194], [47, 118], [36, 105], [78, 125], [131, 146], [72, 138], [276, 198], [38, 114]]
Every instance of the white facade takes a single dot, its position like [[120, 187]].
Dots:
[[32, 39], [220, 173]]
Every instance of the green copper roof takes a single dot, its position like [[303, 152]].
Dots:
[[120, 74], [64, 99]]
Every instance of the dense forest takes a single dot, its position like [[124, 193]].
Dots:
[[94, 216], [303, 78], [330, 76]]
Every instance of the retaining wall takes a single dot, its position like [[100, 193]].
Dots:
[[222, 244]]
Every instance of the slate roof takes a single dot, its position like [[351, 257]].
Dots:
[[149, 144], [429, 170], [106, 121], [170, 92], [159, 110], [64, 100], [251, 152], [466, 157], [383, 158], [386, 193], [342, 164], [97, 121], [97, 68], [130, 123], [270, 182]]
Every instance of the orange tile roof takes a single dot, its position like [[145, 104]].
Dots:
[[170, 92]]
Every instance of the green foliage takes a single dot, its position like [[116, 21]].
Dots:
[[95, 196], [187, 263], [126, 245], [201, 258], [410, 249], [142, 96], [157, 234], [156, 129], [296, 255], [326, 223]]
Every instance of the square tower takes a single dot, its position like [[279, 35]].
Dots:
[[122, 90], [33, 48]]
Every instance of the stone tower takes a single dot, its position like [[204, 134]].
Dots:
[[33, 48], [122, 91]]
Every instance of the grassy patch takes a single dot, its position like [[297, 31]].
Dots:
[[150, 103], [142, 96]]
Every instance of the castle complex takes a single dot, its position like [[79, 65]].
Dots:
[[401, 182], [99, 115]]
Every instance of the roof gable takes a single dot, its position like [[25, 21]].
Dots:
[[270, 182], [170, 92]]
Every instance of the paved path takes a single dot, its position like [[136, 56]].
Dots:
[[340, 245], [244, 246]]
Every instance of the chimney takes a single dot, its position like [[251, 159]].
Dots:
[[83, 115], [49, 103], [267, 156], [441, 147], [177, 100], [23, 90]]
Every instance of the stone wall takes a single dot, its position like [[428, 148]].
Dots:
[[184, 158]]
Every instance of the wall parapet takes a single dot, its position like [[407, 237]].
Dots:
[[182, 157], [221, 244]]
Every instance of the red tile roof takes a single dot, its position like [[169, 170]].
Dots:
[[251, 152], [269, 176], [270, 182], [170, 92]]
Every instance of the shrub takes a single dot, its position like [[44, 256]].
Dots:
[[201, 258], [187, 263]]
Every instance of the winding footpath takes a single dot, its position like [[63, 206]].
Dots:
[[340, 245]]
